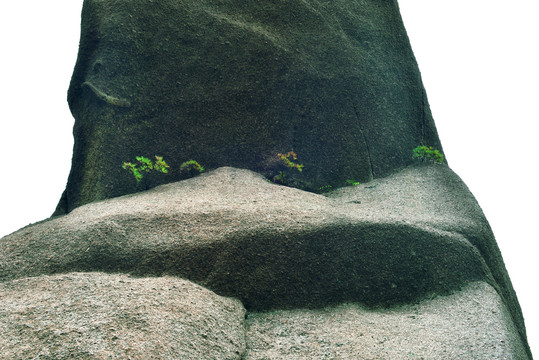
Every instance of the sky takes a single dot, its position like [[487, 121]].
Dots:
[[479, 62]]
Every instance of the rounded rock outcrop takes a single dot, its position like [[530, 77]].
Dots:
[[399, 240], [232, 83]]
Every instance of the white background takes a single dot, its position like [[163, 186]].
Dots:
[[479, 60]]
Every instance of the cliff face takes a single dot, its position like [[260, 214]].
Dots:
[[228, 265], [235, 83]]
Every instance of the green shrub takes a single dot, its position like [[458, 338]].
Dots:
[[191, 168], [285, 159], [428, 153], [281, 178], [146, 165]]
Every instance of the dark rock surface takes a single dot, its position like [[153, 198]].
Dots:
[[397, 240], [231, 83]]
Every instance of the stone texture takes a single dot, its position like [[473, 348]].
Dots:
[[270, 245], [470, 324], [102, 316], [231, 83], [393, 241], [402, 267]]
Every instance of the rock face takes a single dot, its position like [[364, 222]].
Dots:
[[415, 243], [231, 83], [445, 327], [228, 265], [101, 316]]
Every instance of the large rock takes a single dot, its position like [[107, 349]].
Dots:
[[100, 316], [397, 240], [403, 267], [470, 324], [233, 83]]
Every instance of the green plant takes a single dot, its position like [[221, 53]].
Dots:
[[285, 159], [328, 188], [428, 153], [280, 178], [325, 188], [146, 165], [191, 168]]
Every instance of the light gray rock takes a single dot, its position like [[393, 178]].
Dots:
[[472, 323], [397, 240], [103, 316]]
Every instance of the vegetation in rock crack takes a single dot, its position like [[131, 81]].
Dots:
[[285, 159], [328, 188], [288, 161], [280, 178], [145, 165], [190, 168], [325, 188], [428, 153]]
